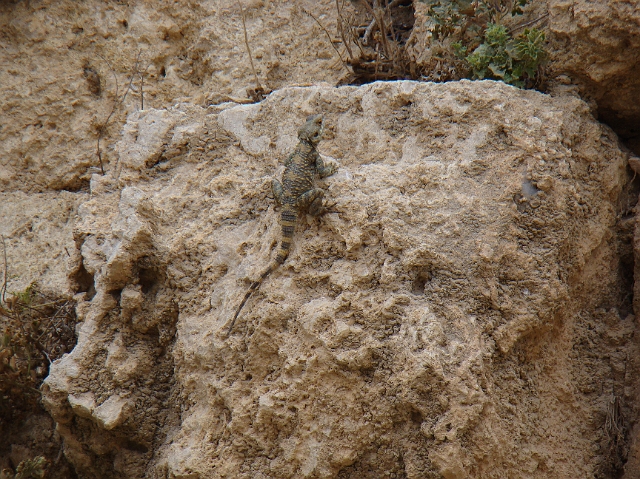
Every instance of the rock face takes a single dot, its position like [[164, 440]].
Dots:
[[460, 313], [38, 233], [69, 65], [596, 44], [463, 313]]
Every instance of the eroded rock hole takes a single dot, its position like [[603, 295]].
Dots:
[[416, 417], [147, 280], [625, 232], [150, 276], [76, 185], [135, 446], [93, 79], [626, 126], [421, 278], [116, 293], [85, 282]]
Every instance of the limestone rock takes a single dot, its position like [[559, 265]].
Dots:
[[38, 236], [428, 327], [595, 45], [69, 65]]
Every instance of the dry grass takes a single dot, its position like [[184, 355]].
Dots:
[[35, 329], [616, 433], [376, 35]]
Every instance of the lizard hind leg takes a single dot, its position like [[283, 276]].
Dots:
[[312, 201], [316, 208]]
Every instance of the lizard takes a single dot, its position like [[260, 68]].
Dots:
[[296, 194]]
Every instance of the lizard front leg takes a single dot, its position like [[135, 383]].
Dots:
[[325, 170], [278, 191]]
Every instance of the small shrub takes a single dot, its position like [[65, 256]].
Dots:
[[471, 38], [35, 329], [375, 35], [31, 469], [501, 57]]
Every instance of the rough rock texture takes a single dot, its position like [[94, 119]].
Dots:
[[38, 232], [63, 59], [596, 44], [464, 312], [547, 386]]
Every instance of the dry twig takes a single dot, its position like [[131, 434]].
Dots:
[[116, 102], [328, 35], [113, 109], [3, 290], [246, 42], [536, 20], [341, 29], [614, 422]]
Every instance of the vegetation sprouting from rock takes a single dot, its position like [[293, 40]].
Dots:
[[35, 330], [475, 39], [469, 39]]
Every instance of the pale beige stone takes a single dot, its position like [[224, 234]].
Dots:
[[461, 239]]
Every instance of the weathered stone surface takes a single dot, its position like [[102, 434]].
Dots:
[[38, 236], [55, 104], [64, 58], [142, 238], [434, 325], [596, 44]]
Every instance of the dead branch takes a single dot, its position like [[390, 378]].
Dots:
[[4, 282], [116, 102], [142, 89], [113, 109], [133, 75], [246, 42], [518, 27], [329, 36], [368, 31], [379, 21], [374, 22], [341, 29]]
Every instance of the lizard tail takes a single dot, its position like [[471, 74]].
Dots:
[[288, 220], [254, 286]]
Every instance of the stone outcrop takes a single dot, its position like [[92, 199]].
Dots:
[[464, 312], [435, 325], [595, 44], [70, 65]]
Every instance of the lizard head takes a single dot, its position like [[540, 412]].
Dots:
[[311, 131]]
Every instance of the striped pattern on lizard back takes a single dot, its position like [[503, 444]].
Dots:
[[296, 194]]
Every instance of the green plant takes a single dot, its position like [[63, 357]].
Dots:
[[469, 36], [469, 17], [31, 469], [502, 57], [447, 16]]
